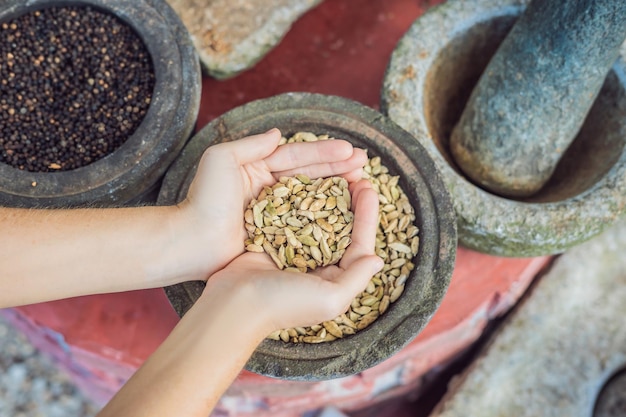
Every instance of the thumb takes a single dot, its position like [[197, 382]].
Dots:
[[355, 278]]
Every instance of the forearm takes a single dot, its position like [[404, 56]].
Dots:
[[53, 254], [198, 361]]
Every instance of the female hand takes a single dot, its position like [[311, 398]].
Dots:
[[282, 299], [241, 304], [230, 174]]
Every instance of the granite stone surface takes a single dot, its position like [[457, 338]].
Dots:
[[31, 385], [553, 356]]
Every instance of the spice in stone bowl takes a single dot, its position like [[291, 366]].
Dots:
[[75, 83], [300, 223], [303, 223]]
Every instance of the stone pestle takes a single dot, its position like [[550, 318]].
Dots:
[[532, 98]]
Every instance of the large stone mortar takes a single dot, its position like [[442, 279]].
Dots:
[[133, 172], [429, 79], [420, 180]]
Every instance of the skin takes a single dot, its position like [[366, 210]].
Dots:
[[47, 254], [188, 373], [53, 254]]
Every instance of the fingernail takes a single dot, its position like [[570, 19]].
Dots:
[[270, 131]]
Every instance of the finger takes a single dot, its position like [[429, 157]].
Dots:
[[250, 149], [297, 155], [356, 188], [255, 261], [365, 210], [328, 169], [354, 175], [328, 273], [354, 279]]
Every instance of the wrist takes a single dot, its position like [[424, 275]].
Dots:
[[175, 246], [200, 358], [238, 303]]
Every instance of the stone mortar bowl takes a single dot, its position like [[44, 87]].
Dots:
[[429, 79], [366, 128], [131, 173], [610, 400]]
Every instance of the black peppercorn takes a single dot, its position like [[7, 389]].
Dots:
[[75, 83]]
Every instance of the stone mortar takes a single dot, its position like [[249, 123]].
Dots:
[[419, 178], [536, 92], [233, 35], [133, 171], [429, 79]]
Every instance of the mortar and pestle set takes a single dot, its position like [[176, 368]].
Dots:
[[530, 134]]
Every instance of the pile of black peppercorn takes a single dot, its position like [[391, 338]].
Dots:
[[75, 83]]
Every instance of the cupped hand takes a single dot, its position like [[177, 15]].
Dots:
[[283, 299], [230, 174]]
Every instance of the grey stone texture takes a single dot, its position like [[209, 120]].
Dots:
[[534, 95], [419, 178], [233, 35], [430, 77], [558, 349], [30, 383]]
